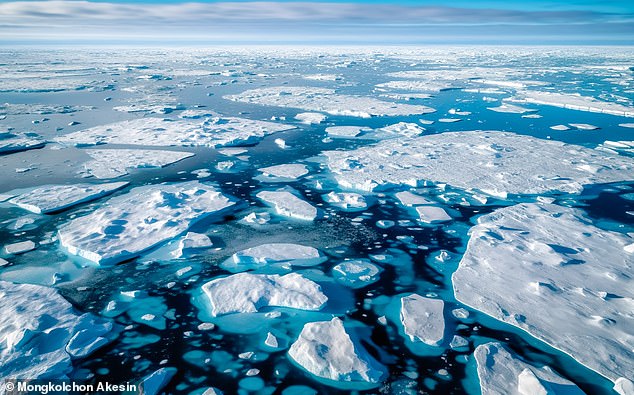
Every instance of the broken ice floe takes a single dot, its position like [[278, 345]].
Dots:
[[17, 143], [285, 172], [113, 163], [346, 131], [326, 100], [310, 118], [551, 273], [496, 163], [286, 203], [273, 254], [500, 372], [617, 147], [248, 293], [128, 224], [573, 102], [356, 273], [41, 333], [52, 198], [347, 201], [212, 132], [510, 108], [327, 350], [20, 247]]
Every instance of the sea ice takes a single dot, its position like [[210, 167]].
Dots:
[[551, 273], [326, 350], [212, 132], [291, 171], [583, 126], [356, 273], [15, 144], [509, 108], [112, 163], [347, 201], [52, 198], [310, 118], [272, 254], [248, 293], [19, 247], [326, 100], [346, 131], [560, 128], [496, 163], [500, 373], [153, 383], [410, 199], [432, 214], [423, 319], [288, 204], [128, 224], [573, 102], [40, 332]]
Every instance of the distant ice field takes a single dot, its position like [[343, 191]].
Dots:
[[282, 220]]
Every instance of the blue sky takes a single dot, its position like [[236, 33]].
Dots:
[[319, 22]]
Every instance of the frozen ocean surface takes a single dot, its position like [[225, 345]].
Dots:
[[319, 220]]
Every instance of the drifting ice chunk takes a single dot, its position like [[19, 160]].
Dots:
[[432, 214], [583, 126], [248, 293], [288, 171], [268, 254], [51, 198], [356, 273], [327, 351], [326, 100], [409, 199], [310, 117], [509, 108], [288, 204], [537, 258], [212, 132], [560, 128], [624, 386], [40, 332], [346, 200], [129, 224], [15, 144], [152, 384], [20, 247], [449, 120], [573, 102], [501, 372], [496, 163], [112, 163], [627, 125], [345, 131], [423, 319]]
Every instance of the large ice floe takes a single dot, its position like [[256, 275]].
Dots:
[[496, 163], [112, 163], [500, 372], [573, 102], [326, 350], [128, 224], [248, 293], [273, 254], [52, 198], [41, 333], [19, 143], [548, 271], [326, 100], [209, 132], [287, 203]]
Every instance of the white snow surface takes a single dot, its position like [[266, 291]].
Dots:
[[326, 350], [263, 254], [551, 273], [209, 132], [346, 200], [288, 204], [432, 214], [496, 163], [326, 100], [112, 163], [310, 118], [501, 372], [129, 224], [40, 332], [290, 171], [51, 198], [573, 102], [15, 144], [19, 247], [346, 131], [423, 319], [248, 293]]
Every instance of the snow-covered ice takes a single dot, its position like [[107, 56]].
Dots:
[[274, 253], [248, 293], [326, 350], [410, 199], [52, 198], [510, 108], [349, 201], [289, 171], [112, 163], [573, 102], [129, 224], [15, 144], [20, 247], [496, 163], [288, 204], [346, 131], [356, 273], [501, 372], [423, 319], [553, 274], [326, 100], [310, 118], [432, 214]]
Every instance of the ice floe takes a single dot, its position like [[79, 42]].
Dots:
[[501, 373], [346, 131], [432, 214], [20, 247], [212, 132], [347, 201], [326, 350], [573, 102], [356, 273], [17, 143], [310, 118], [52, 198], [288, 204], [291, 171], [274, 254], [128, 224], [326, 100], [248, 293], [496, 163], [41, 333], [510, 108], [112, 163], [553, 274]]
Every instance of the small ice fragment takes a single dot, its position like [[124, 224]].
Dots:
[[310, 118], [356, 273], [153, 383], [346, 200], [290, 171], [288, 204], [432, 214], [449, 120], [20, 247], [560, 127], [583, 126], [345, 131], [410, 199]]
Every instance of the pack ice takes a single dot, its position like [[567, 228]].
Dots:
[[146, 216], [248, 293], [112, 163], [500, 372], [286, 203], [19, 143], [326, 100], [551, 273], [208, 132], [52, 198], [573, 102], [496, 163], [326, 350], [40, 332]]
